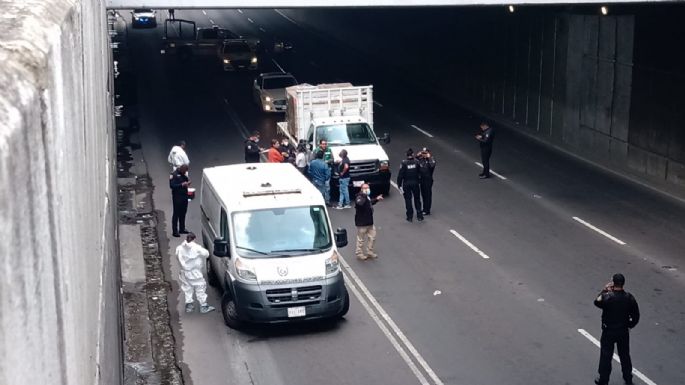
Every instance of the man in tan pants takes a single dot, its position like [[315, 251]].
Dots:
[[363, 219]]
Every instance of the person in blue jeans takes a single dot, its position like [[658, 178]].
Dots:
[[319, 173], [344, 181]]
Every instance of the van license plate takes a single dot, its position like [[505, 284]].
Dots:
[[357, 183], [296, 311]]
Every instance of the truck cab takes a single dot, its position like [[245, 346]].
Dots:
[[272, 250]]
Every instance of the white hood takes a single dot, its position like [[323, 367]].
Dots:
[[360, 152], [302, 269]]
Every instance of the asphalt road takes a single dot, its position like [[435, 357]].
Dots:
[[431, 309]]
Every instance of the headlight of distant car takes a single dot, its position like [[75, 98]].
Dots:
[[268, 98], [244, 271], [254, 60], [226, 61], [267, 108], [172, 45], [332, 264], [385, 165]]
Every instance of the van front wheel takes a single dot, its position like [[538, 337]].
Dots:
[[230, 312], [211, 277], [346, 304]]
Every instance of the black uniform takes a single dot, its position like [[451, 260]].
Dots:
[[179, 197], [408, 178], [486, 139], [252, 151], [620, 313], [426, 168]]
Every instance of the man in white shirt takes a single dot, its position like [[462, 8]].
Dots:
[[178, 156]]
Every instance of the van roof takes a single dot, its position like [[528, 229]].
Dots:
[[250, 186]]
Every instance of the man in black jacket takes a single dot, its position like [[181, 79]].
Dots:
[[179, 182], [620, 313], [408, 182], [252, 149], [426, 168], [485, 137], [363, 219]]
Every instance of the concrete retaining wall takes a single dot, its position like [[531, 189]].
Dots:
[[59, 274], [609, 89]]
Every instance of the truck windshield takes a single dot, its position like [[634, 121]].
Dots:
[[281, 231], [279, 82], [344, 134], [237, 48]]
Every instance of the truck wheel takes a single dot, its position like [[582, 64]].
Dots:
[[211, 277], [230, 312], [346, 304]]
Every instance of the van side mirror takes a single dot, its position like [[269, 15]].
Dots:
[[385, 138], [220, 248], [341, 237]]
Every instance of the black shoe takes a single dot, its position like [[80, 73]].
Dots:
[[409, 219], [176, 235], [598, 382], [481, 174], [419, 218], [426, 213], [628, 382], [184, 231], [484, 176]]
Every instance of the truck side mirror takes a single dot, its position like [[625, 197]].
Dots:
[[220, 247], [385, 138], [340, 237]]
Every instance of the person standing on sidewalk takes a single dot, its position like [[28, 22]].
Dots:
[[192, 257], [620, 313], [275, 155], [344, 181], [179, 182], [177, 156], [328, 159], [485, 137], [252, 149], [319, 173], [363, 219]]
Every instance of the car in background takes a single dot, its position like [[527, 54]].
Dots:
[[237, 54], [269, 90], [143, 18]]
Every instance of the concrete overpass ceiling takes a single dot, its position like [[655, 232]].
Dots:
[[189, 4]]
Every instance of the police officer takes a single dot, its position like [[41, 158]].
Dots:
[[408, 181], [620, 313], [485, 137], [426, 168], [252, 149], [179, 182]]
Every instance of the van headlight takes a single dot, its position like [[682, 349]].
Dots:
[[245, 271], [254, 60], [332, 264]]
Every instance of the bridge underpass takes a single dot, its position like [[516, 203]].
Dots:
[[592, 125]]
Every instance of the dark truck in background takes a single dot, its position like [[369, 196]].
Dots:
[[182, 38]]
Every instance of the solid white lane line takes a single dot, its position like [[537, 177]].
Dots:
[[378, 104], [422, 131], [392, 325], [278, 65], [620, 242], [278, 11], [204, 12], [493, 172], [403, 353], [250, 20], [395, 186], [636, 372], [469, 244]]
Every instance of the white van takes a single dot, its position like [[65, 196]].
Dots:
[[271, 246]]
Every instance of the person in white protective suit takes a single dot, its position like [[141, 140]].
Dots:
[[178, 156], [192, 257]]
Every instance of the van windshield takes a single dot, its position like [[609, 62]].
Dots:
[[345, 134], [281, 232]]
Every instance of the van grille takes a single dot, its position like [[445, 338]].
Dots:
[[294, 295], [363, 168]]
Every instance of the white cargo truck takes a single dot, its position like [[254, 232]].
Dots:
[[341, 114]]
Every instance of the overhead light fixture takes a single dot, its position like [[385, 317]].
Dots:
[[511, 9], [604, 10]]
